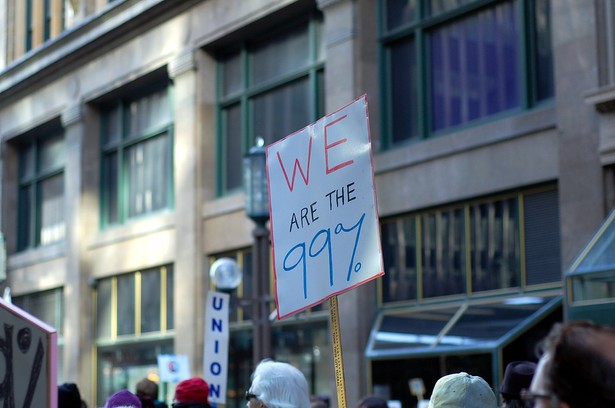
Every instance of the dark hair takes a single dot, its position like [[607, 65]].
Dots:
[[69, 396], [513, 403], [581, 369], [373, 402]]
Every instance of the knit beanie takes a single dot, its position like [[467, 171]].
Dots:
[[192, 390], [123, 399]]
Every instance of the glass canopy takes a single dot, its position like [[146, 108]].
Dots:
[[470, 327], [591, 277]]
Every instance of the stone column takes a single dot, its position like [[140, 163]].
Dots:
[[188, 275], [78, 319], [344, 70]]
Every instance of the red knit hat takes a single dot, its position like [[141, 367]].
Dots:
[[192, 390]]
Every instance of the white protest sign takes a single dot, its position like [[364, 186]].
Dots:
[[215, 362], [173, 367], [29, 360], [324, 220]]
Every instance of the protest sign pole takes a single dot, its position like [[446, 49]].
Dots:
[[338, 360]]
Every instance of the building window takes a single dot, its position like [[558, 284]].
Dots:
[[137, 157], [41, 217], [473, 247], [44, 19], [47, 306], [134, 304], [448, 64], [122, 366], [270, 86]]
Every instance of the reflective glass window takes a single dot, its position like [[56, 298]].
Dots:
[[270, 86]]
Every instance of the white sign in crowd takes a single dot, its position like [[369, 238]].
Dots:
[[324, 220]]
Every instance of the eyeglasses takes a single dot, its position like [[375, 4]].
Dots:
[[530, 398], [249, 396]]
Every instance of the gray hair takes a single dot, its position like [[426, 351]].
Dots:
[[280, 385]]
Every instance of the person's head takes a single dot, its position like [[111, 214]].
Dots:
[[277, 385], [577, 367], [123, 399], [317, 402], [147, 392], [147, 388], [517, 377], [372, 402], [192, 393], [69, 396], [462, 390]]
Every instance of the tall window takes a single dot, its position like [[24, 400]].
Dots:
[[44, 19], [450, 63], [137, 157], [41, 191], [474, 247], [47, 306], [136, 303], [270, 87], [134, 319]]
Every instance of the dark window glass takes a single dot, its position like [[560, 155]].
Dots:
[[404, 115], [282, 111], [104, 305], [443, 253], [137, 157], [234, 150], [495, 246], [543, 55], [41, 191], [400, 12], [280, 55], [542, 237], [231, 74], [399, 257], [170, 297], [477, 60], [147, 295], [111, 177], [474, 67], [126, 304], [48, 306], [269, 87], [150, 301], [473, 248]]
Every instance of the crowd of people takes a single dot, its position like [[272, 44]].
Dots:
[[575, 369]]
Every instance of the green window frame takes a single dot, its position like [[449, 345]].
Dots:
[[137, 156], [269, 86], [476, 247], [48, 306], [453, 64], [134, 304], [41, 213]]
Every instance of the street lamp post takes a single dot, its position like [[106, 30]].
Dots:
[[257, 208]]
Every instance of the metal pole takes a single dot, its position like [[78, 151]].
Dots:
[[261, 342], [264, 293], [256, 310]]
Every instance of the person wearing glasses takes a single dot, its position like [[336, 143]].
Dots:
[[576, 369], [277, 385]]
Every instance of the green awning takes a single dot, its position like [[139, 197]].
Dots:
[[470, 327], [590, 279]]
